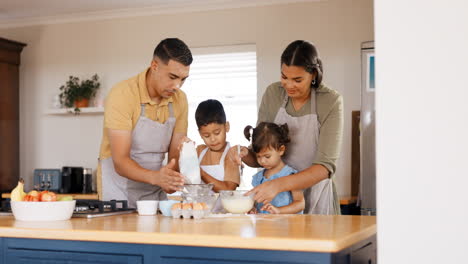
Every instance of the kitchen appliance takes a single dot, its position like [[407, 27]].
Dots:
[[87, 180], [47, 179], [72, 180], [97, 208], [367, 186]]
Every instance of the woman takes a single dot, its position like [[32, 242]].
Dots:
[[314, 114]]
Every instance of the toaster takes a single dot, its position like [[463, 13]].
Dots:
[[47, 179]]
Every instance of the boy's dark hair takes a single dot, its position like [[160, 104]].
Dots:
[[304, 54], [173, 49], [210, 111], [267, 135]]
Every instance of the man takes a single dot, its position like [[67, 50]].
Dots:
[[146, 117]]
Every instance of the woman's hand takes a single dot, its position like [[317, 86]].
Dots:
[[265, 192], [235, 155], [270, 208]]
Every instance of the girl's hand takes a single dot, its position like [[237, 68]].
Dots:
[[270, 208], [253, 211], [235, 156], [265, 192]]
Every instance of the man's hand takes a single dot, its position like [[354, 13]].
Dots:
[[169, 179]]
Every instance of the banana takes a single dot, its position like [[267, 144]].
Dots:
[[17, 194]]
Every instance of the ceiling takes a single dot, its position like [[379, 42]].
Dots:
[[15, 13]]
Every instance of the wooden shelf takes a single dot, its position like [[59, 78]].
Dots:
[[68, 111]]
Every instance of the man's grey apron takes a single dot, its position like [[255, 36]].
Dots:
[[150, 143], [300, 153], [215, 171]]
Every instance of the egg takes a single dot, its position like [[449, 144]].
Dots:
[[177, 206], [187, 206], [199, 206]]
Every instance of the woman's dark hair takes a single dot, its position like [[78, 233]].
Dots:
[[210, 111], [173, 49], [304, 54], [267, 135]]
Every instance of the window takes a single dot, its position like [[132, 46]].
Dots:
[[229, 75]]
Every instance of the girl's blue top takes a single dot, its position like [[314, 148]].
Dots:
[[281, 199]]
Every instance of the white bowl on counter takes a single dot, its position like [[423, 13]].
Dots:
[[43, 211], [147, 207], [236, 202]]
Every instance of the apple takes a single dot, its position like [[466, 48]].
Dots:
[[66, 198], [29, 198], [34, 196], [48, 197], [41, 193]]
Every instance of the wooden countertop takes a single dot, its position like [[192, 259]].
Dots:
[[345, 200], [76, 196], [312, 233]]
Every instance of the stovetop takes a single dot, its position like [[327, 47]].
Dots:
[[96, 208]]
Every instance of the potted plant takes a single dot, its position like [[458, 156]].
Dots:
[[77, 94]]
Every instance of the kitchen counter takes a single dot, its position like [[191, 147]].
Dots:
[[298, 233]]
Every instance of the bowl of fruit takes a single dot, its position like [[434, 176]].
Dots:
[[40, 206]]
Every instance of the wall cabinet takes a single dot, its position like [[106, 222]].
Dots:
[[9, 113]]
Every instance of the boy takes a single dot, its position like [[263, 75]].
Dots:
[[215, 168]]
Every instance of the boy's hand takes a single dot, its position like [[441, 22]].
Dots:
[[236, 156], [182, 141], [270, 208]]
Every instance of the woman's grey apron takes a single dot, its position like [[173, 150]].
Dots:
[[215, 171], [150, 143], [300, 153]]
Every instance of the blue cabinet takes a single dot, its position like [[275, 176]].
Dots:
[[32, 251]]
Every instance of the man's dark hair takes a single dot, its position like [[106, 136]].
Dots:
[[304, 54], [210, 111], [173, 49]]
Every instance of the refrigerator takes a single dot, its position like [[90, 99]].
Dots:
[[367, 198]]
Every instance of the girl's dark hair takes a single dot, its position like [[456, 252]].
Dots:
[[267, 135], [210, 111], [304, 54], [173, 49]]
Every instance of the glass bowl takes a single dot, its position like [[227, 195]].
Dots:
[[197, 189], [236, 202]]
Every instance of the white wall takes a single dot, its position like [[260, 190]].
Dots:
[[422, 128], [120, 48]]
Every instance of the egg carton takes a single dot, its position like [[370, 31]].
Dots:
[[190, 210]]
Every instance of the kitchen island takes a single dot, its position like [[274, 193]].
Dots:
[[217, 239]]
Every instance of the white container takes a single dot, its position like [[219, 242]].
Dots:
[[42, 211], [236, 202], [147, 207]]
